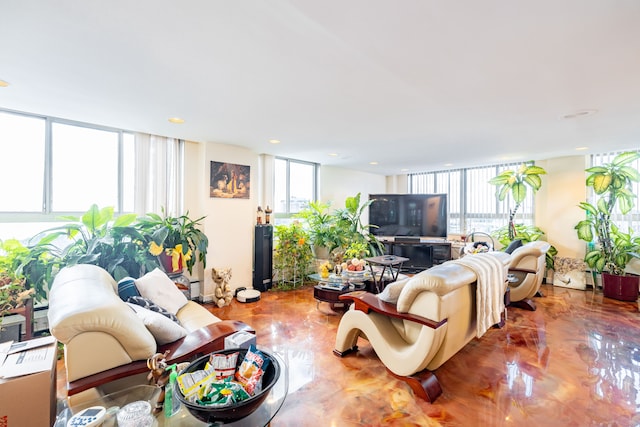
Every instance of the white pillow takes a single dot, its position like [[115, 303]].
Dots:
[[159, 288], [163, 329], [392, 291]]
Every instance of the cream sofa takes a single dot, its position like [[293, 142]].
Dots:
[[104, 339], [527, 267], [417, 324]]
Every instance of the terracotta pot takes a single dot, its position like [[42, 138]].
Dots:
[[623, 288]]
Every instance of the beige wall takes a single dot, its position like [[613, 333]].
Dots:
[[557, 211], [229, 223], [336, 184]]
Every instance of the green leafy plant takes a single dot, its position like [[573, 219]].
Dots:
[[34, 264], [612, 184], [292, 256], [321, 225], [516, 182], [179, 237], [98, 238], [13, 293], [526, 234], [357, 250], [353, 230]]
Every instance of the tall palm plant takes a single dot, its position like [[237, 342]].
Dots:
[[516, 182], [353, 230], [613, 185]]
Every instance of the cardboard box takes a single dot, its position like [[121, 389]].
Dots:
[[28, 383]]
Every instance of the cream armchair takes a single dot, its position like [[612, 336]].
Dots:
[[416, 324], [104, 338], [526, 272]]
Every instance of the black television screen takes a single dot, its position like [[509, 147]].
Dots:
[[419, 215]]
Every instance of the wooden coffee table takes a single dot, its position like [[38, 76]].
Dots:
[[332, 296]]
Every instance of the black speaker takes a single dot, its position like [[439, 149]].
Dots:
[[263, 257]]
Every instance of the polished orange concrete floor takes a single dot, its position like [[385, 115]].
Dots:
[[575, 361]]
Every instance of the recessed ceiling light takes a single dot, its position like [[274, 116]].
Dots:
[[579, 113], [373, 163], [582, 148], [274, 141], [176, 120], [404, 170], [333, 154], [448, 164], [3, 83]]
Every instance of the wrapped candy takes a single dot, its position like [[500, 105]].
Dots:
[[223, 393], [224, 364], [250, 372]]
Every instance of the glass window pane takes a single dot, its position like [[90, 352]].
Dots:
[[85, 168], [632, 218], [301, 179], [280, 186], [22, 146]]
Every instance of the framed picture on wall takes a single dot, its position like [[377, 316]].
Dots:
[[229, 181]]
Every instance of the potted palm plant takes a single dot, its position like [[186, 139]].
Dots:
[[610, 247], [175, 240], [321, 227], [516, 182], [98, 237], [352, 229]]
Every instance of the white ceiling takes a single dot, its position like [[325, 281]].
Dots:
[[412, 84]]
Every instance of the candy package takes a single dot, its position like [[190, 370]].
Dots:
[[192, 383], [224, 364], [223, 393], [250, 372]]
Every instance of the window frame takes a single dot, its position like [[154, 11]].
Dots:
[[526, 213], [285, 217], [47, 214]]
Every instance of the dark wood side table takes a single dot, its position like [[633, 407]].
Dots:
[[390, 263], [27, 311], [332, 296]]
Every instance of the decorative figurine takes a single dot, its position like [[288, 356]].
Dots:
[[267, 215], [259, 219]]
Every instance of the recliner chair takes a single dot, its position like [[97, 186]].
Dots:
[[104, 340], [418, 323], [526, 272]]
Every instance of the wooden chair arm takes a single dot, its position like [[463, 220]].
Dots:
[[522, 270], [197, 343], [367, 302]]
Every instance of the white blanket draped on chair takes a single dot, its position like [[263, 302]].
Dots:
[[490, 274]]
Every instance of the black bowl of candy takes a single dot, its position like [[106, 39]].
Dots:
[[227, 385]]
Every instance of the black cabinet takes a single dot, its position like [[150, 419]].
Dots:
[[263, 257], [422, 255]]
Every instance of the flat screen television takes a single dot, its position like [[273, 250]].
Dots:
[[417, 215]]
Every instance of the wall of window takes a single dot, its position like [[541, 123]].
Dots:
[[54, 167], [631, 219], [472, 202], [295, 185]]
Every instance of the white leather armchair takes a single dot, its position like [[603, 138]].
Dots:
[[435, 314], [527, 269], [105, 340]]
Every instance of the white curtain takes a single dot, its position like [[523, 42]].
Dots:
[[159, 174]]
